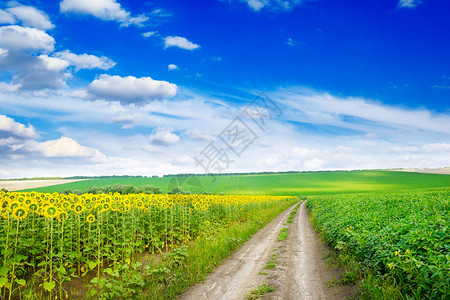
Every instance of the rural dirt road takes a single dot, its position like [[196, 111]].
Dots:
[[301, 272], [16, 185]]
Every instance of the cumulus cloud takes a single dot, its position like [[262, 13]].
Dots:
[[172, 67], [28, 16], [85, 61], [18, 141], [130, 89], [409, 3], [6, 17], [107, 10], [10, 128], [180, 42], [66, 147], [164, 136], [25, 52], [15, 37]]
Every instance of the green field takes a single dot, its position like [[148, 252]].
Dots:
[[400, 240], [314, 183]]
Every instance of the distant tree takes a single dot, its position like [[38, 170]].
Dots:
[[77, 192], [92, 190]]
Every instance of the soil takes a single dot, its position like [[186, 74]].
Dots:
[[445, 171], [301, 272], [16, 185]]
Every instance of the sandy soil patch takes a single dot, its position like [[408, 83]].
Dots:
[[445, 171], [15, 185], [301, 272]]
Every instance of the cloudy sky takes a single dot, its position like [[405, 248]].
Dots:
[[102, 87]]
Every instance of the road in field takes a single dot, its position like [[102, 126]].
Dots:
[[443, 171], [300, 273], [16, 185]]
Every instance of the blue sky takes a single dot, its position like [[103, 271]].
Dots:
[[105, 87]]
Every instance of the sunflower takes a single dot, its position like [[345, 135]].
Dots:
[[63, 215], [14, 204], [90, 218], [20, 213], [106, 206], [98, 208], [33, 206], [65, 204], [78, 208], [50, 211]]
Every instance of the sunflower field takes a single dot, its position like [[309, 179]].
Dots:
[[49, 239]]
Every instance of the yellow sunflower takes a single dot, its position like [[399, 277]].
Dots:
[[50, 211], [90, 218], [20, 212]]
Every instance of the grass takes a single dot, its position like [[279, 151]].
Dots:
[[311, 183], [204, 254], [259, 291], [283, 234], [271, 264], [292, 214]]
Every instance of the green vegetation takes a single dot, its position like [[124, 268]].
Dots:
[[261, 290], [283, 234], [293, 213], [396, 244], [314, 183]]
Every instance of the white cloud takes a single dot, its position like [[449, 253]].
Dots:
[[107, 10], [178, 41], [197, 134], [6, 17], [11, 128], [130, 89], [164, 136], [409, 3], [85, 61], [30, 16], [290, 143], [304, 105], [172, 67], [149, 34], [53, 64], [256, 4], [67, 147], [3, 52], [274, 5], [15, 37]]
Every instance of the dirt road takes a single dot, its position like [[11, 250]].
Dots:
[[445, 171], [300, 273], [16, 185]]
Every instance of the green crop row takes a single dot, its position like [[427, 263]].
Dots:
[[402, 237]]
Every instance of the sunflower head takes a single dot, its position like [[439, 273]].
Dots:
[[98, 208], [78, 208], [50, 211], [20, 213], [33, 206], [90, 218], [63, 215], [14, 204]]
